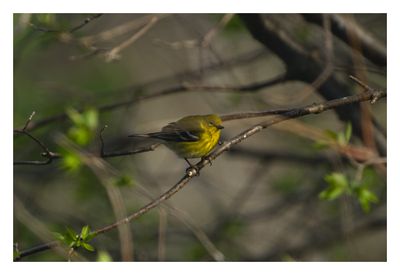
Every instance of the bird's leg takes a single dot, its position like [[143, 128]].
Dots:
[[207, 158]]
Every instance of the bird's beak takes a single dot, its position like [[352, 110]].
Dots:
[[220, 127]]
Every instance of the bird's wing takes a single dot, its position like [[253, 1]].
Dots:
[[173, 132]]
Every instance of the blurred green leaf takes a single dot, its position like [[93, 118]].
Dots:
[[88, 247], [59, 236], [85, 124], [91, 117], [72, 234], [365, 198], [79, 135], [85, 232], [103, 256], [123, 181], [70, 160], [75, 116], [338, 185]]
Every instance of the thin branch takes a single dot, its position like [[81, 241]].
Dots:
[[73, 29], [207, 38], [85, 22], [46, 152], [113, 54]]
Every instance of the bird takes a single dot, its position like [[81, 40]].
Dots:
[[189, 137]]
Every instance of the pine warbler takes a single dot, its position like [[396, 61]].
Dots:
[[191, 136]]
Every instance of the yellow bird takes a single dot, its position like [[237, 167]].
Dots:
[[191, 136]]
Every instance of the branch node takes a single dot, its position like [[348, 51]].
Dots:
[[192, 172]]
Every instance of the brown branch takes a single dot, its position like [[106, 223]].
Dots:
[[113, 54], [181, 88], [369, 95], [85, 22], [371, 47], [50, 156], [73, 29]]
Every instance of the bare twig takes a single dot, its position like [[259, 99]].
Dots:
[[85, 22], [50, 156], [207, 38], [73, 29], [113, 54]]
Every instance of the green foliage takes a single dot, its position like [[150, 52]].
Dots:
[[341, 138], [103, 256], [123, 180], [75, 240], [365, 198], [84, 125], [340, 185], [70, 160]]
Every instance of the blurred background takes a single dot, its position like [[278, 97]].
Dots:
[[309, 189]]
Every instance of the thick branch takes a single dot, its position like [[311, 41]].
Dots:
[[342, 28]]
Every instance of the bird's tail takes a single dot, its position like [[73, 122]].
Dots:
[[140, 135]]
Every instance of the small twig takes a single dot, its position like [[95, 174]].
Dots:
[[81, 25], [211, 33], [46, 152], [361, 83], [114, 52], [85, 22], [28, 121]]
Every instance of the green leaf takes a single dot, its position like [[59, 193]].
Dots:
[[337, 179], [80, 135], [104, 256], [70, 160], [88, 247], [365, 198], [72, 234], [338, 185], [341, 139], [59, 236], [123, 181], [91, 118], [85, 232], [75, 117]]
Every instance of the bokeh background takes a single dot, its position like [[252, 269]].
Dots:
[[310, 189]]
